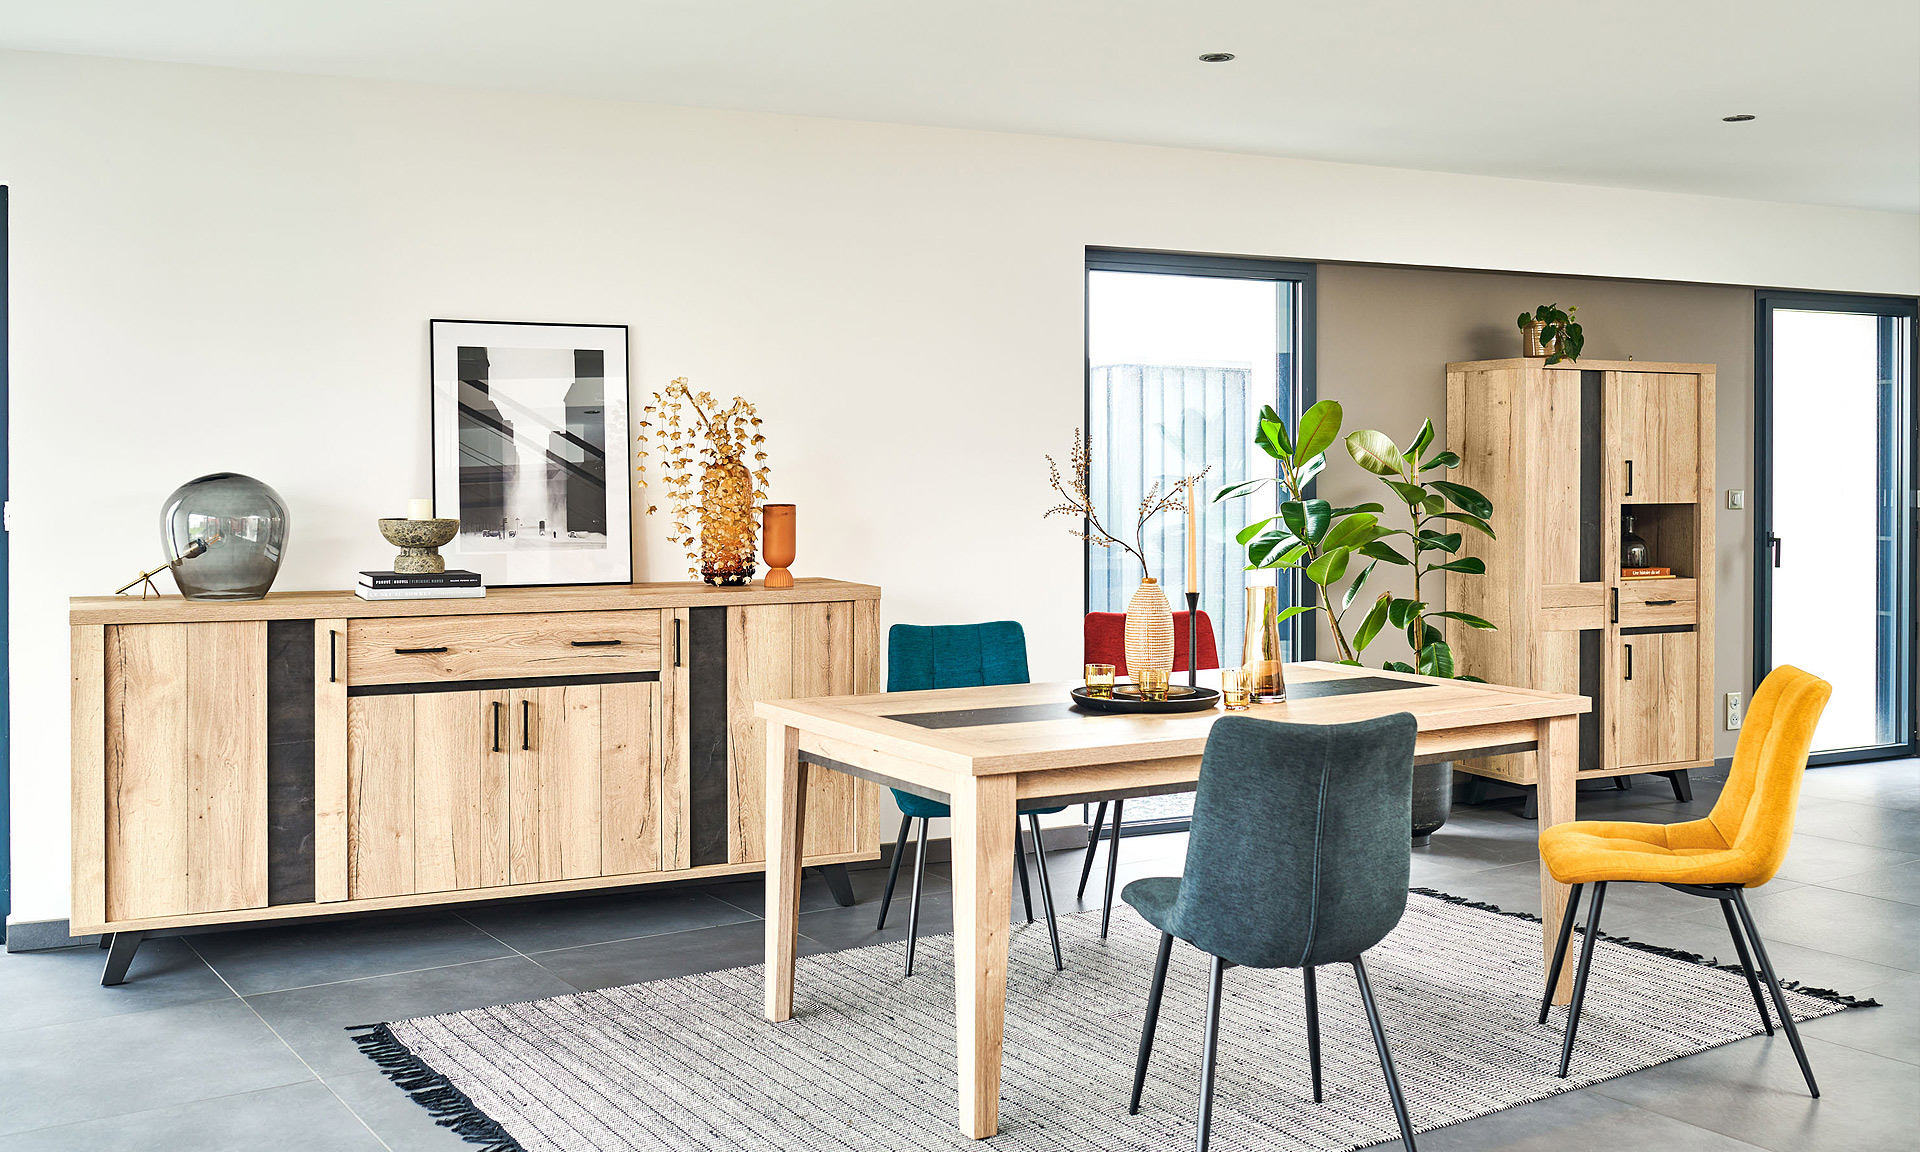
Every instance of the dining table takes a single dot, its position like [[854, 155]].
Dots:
[[986, 751]]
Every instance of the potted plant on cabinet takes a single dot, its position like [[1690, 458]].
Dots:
[[1552, 333]]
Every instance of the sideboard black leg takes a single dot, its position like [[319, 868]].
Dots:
[[1682, 786], [119, 956], [839, 883]]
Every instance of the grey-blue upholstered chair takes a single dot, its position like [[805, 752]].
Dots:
[[959, 656], [1297, 857]]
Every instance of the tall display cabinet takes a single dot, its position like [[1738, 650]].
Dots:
[[1566, 454]]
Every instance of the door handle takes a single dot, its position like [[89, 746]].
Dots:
[[1629, 648], [496, 725], [1661, 603], [418, 651], [1616, 607], [1773, 543], [526, 725], [1629, 477], [333, 656], [676, 641], [596, 643]]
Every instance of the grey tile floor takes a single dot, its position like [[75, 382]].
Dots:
[[234, 1040]]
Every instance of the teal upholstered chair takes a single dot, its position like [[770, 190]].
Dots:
[[958, 656], [1297, 857]]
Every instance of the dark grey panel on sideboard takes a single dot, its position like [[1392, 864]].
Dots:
[[707, 736], [290, 761]]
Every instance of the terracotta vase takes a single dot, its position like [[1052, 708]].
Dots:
[[1149, 633], [726, 523], [776, 543]]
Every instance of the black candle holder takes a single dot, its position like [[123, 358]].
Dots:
[[1193, 639]]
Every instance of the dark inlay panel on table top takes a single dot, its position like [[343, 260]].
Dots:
[[1035, 713]]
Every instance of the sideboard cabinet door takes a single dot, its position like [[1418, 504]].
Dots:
[[1657, 698], [1655, 456]]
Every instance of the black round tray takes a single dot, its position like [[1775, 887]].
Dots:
[[1126, 698]]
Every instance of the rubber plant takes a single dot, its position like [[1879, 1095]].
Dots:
[[1436, 509], [1558, 330], [1307, 534]]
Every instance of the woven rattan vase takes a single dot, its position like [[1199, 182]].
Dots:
[[1149, 630]]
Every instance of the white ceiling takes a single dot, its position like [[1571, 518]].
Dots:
[[1618, 92]]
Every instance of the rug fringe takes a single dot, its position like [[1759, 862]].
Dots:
[[450, 1107], [1827, 994]]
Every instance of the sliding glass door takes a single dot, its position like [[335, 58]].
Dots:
[[1835, 511]]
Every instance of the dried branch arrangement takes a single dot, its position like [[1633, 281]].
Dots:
[[1078, 503], [702, 455]]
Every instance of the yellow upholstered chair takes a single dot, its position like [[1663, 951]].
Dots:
[[1738, 846]]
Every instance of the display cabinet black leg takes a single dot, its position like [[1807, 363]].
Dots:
[[1592, 933], [1779, 995], [893, 869], [839, 883], [1531, 809], [1682, 786], [1093, 839], [1113, 869], [1152, 1022], [119, 956], [1476, 791], [106, 939], [1623, 783]]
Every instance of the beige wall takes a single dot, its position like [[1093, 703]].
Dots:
[[1387, 334]]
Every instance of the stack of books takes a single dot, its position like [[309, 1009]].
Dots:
[[453, 584], [1646, 573]]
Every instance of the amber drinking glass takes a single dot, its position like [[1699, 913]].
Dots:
[[1234, 692], [1100, 680], [1153, 684]]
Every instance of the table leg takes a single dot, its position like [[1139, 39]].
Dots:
[[786, 816], [984, 827], [1559, 768]]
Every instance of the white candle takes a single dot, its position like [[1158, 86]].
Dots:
[[420, 508]]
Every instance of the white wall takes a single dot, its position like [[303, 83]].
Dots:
[[223, 269]]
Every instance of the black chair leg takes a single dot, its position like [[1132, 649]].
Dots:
[[1153, 1021], [1746, 965], [1386, 1061], [1020, 867], [1093, 840], [893, 869], [913, 907], [1046, 891], [1208, 1047], [1113, 869], [1682, 785], [1779, 995], [1560, 950], [1313, 1029], [1592, 933]]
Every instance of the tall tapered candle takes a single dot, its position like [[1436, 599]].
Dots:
[[1193, 542]]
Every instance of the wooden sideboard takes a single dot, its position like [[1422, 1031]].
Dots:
[[313, 753], [1565, 453]]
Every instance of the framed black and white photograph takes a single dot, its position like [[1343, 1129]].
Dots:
[[530, 450]]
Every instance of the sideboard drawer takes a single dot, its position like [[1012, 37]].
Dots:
[[421, 649], [1650, 603]]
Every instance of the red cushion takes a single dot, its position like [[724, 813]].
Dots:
[[1106, 641]]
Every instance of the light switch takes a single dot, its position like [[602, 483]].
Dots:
[[1736, 498]]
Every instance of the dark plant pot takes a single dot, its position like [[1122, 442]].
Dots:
[[1432, 799]]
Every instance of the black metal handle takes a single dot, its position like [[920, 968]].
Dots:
[[676, 641], [1773, 542], [596, 643], [496, 725], [1629, 661], [1616, 607], [1629, 477], [333, 656], [1660, 603], [418, 651], [526, 725]]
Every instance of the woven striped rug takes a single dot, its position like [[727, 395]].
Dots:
[[867, 1063]]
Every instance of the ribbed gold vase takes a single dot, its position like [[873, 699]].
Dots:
[[1149, 630]]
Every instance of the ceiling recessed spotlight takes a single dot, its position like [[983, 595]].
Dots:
[[1215, 57], [1742, 118]]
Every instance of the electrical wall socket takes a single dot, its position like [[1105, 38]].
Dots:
[[1733, 710], [1736, 499]]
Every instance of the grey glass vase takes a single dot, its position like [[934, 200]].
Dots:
[[224, 535]]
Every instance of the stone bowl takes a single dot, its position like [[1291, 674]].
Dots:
[[419, 542]]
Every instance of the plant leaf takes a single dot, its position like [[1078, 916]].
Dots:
[[1447, 459], [1374, 452], [1469, 619], [1412, 494], [1436, 659], [1433, 505], [1265, 547], [1370, 627], [1296, 610], [1359, 508], [1331, 565], [1472, 565], [1358, 582], [1247, 534], [1319, 427], [1401, 613], [1464, 518], [1381, 550], [1305, 473], [1421, 439], [1431, 541], [1271, 436], [1525, 319], [1348, 532], [1464, 498], [1308, 518], [1397, 666], [1243, 488]]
